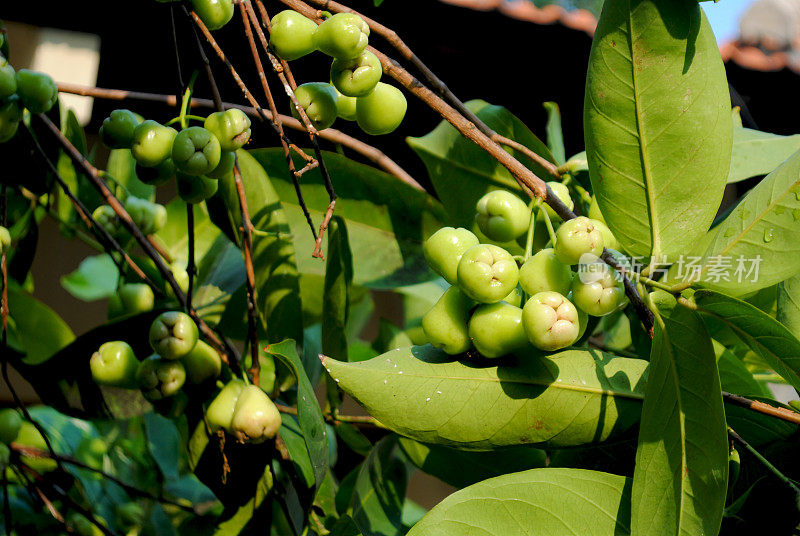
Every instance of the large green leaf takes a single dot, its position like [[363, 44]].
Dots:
[[658, 124], [461, 172], [461, 468], [35, 328], [174, 235], [767, 337], [122, 166], [571, 398], [336, 294], [387, 220], [539, 502], [757, 153], [756, 246], [789, 304], [309, 414], [681, 474], [95, 279], [276, 279], [376, 504]]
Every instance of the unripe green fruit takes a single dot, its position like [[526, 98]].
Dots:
[[8, 79], [158, 175], [173, 334], [444, 248], [106, 218], [152, 143], [136, 297], [10, 116], [227, 159], [160, 378], [219, 414], [343, 35], [487, 273], [117, 130], [562, 192], [598, 290], [29, 436], [577, 237], [115, 365], [202, 363], [255, 417], [195, 189], [381, 111], [356, 77], [346, 106], [181, 276], [214, 13], [544, 272], [734, 466], [446, 325], [502, 216], [10, 425], [514, 297], [195, 151], [496, 329], [149, 217], [551, 321], [5, 240], [37, 91], [231, 128], [318, 99], [292, 35]]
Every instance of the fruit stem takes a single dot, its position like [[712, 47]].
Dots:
[[187, 98], [550, 231], [531, 229]]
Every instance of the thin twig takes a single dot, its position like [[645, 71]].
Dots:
[[771, 468], [761, 407], [359, 420]]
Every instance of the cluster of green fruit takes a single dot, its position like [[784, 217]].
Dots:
[[355, 92], [484, 306], [195, 157], [179, 356], [19, 90], [244, 411]]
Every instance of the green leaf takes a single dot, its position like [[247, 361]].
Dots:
[[789, 304], [122, 166], [658, 123], [277, 286], [757, 153], [175, 237], [190, 488], [376, 505], [756, 246], [336, 295], [555, 137], [544, 502], [293, 439], [96, 278], [734, 376], [461, 172], [681, 474], [164, 443], [36, 328], [767, 337], [570, 398], [387, 220], [309, 413], [461, 468]]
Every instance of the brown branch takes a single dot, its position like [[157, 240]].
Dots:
[[322, 228], [371, 153], [159, 248], [551, 168], [92, 174], [761, 407], [359, 420]]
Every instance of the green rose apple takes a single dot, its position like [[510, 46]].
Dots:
[[114, 364], [231, 128], [160, 378], [5, 240], [173, 334], [446, 325], [227, 159], [195, 189], [118, 128], [196, 151], [444, 248], [152, 143], [149, 217], [219, 414], [37, 91], [202, 363], [136, 297], [382, 110], [345, 106], [551, 321], [356, 77], [578, 237], [487, 273], [106, 218], [562, 192], [255, 417], [10, 425], [598, 289], [343, 35], [10, 116], [214, 13], [544, 272], [158, 175], [496, 329], [292, 35], [502, 216], [8, 79], [318, 99]]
